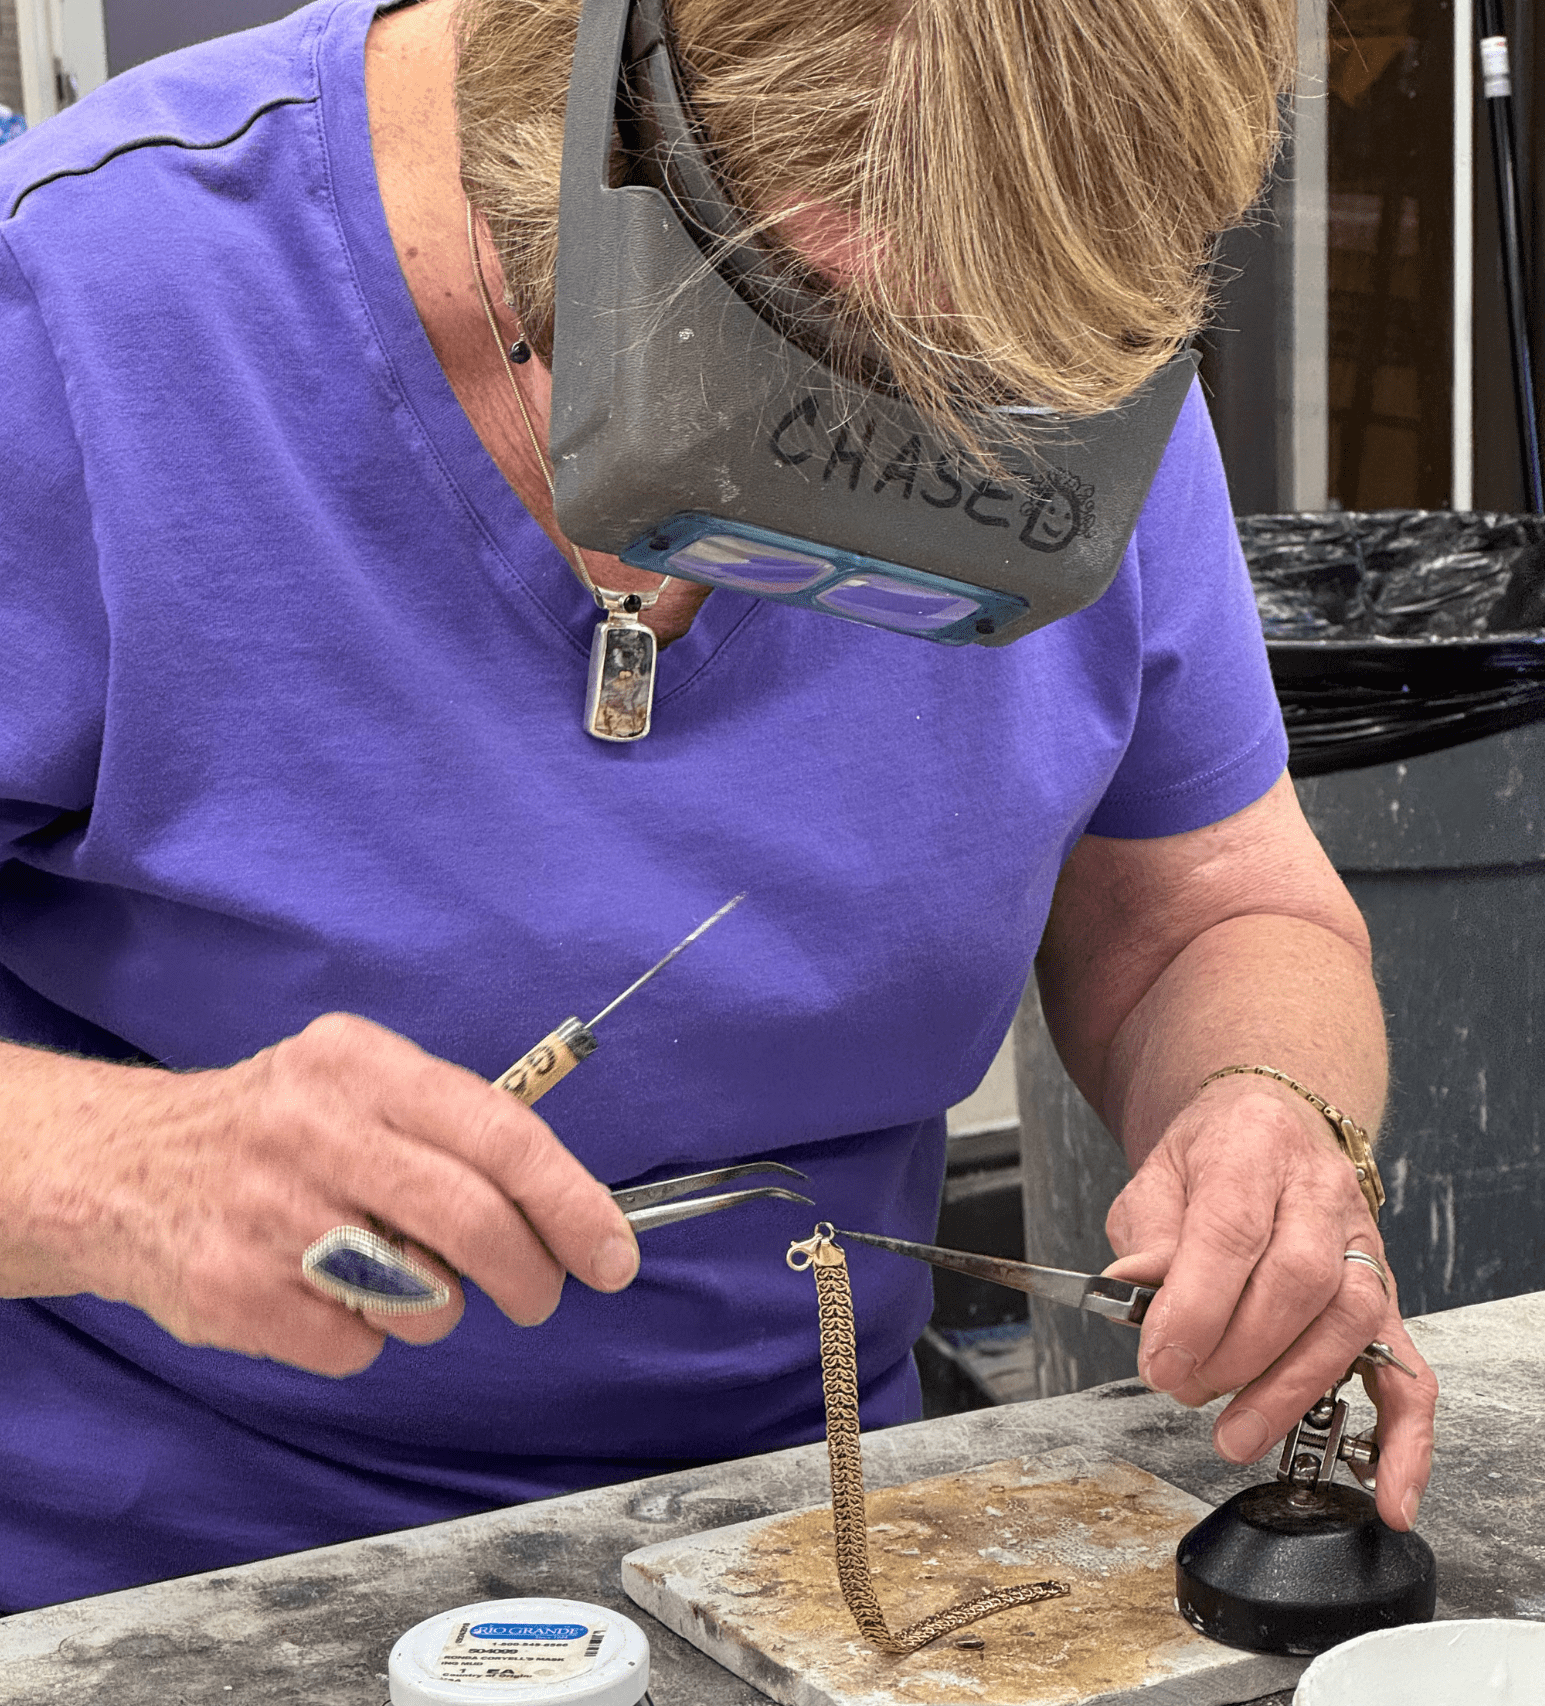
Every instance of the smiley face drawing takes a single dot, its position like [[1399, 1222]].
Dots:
[[1058, 511]]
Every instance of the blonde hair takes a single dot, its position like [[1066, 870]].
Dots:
[[1035, 185]]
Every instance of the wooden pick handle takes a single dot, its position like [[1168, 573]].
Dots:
[[555, 1057]]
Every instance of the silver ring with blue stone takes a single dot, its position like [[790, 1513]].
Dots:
[[366, 1271]]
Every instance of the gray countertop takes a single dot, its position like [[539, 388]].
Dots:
[[316, 1627]]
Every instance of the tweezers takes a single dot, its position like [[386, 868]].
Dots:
[[1116, 1300], [645, 1207], [370, 1269]]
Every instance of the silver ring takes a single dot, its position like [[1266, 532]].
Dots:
[[363, 1270], [1370, 1262]]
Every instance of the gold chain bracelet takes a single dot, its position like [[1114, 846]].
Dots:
[[1350, 1136], [839, 1381]]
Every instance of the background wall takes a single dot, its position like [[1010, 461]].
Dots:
[[138, 30], [10, 58]]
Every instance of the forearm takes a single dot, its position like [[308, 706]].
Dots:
[[1232, 945], [1261, 989], [57, 1112], [1237, 945]]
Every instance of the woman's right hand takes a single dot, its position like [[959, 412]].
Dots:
[[193, 1195]]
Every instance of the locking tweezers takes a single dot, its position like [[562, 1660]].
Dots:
[[1117, 1300]]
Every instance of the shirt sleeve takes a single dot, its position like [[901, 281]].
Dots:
[[1208, 738], [53, 626]]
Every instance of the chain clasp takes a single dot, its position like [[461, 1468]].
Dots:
[[820, 1251]]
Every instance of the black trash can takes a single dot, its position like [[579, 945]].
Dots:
[[1399, 632], [1408, 650]]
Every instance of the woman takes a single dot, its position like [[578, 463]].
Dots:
[[292, 655]]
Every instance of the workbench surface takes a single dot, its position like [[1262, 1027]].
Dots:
[[315, 1628]]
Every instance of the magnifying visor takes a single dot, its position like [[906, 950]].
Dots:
[[712, 420]]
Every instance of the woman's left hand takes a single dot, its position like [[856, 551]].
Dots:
[[1245, 1209]]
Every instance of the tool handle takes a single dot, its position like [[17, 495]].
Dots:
[[558, 1053]]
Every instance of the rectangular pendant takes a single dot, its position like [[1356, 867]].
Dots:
[[620, 699]]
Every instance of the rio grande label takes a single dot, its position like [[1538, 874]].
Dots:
[[514, 1652]]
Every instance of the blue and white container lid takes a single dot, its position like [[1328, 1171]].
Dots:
[[521, 1652]]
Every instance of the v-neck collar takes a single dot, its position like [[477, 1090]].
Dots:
[[556, 599]]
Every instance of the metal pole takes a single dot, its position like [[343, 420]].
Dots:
[[1497, 90]]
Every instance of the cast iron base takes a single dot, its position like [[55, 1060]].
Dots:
[[1273, 1576]]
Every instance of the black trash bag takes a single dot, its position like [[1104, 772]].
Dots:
[[1397, 632]]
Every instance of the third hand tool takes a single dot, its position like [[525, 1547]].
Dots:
[[1291, 1566], [1119, 1300]]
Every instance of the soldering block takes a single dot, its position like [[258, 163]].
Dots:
[[762, 1597]]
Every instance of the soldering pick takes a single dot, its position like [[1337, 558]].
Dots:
[[369, 1270], [561, 1050], [659, 965]]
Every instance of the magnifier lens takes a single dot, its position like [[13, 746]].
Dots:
[[747, 566], [888, 603]]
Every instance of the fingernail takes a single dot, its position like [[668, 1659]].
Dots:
[[1243, 1437], [1170, 1368], [1410, 1505], [615, 1262]]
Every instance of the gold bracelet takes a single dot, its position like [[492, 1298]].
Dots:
[[1349, 1134]]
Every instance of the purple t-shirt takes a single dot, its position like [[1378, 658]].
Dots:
[[290, 694]]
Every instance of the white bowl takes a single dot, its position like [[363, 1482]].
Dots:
[[1481, 1662]]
